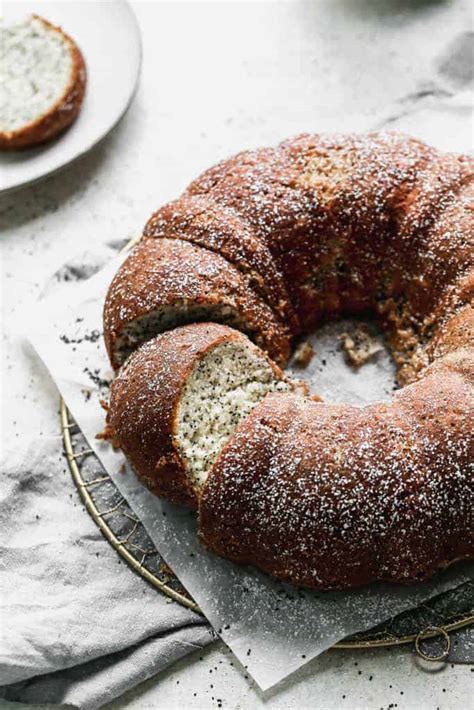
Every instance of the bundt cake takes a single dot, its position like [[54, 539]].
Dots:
[[273, 242]]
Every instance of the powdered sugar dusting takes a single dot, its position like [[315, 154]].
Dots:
[[318, 494], [177, 281], [336, 496]]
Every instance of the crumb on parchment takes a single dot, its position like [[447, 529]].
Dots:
[[360, 346]]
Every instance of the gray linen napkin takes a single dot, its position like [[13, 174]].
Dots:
[[77, 625]]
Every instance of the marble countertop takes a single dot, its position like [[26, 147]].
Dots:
[[217, 78]]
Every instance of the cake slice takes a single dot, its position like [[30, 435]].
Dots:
[[169, 282], [200, 220], [180, 396], [42, 80]]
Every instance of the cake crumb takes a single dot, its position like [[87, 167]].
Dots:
[[303, 354], [359, 347]]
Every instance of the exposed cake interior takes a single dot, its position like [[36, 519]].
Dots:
[[36, 66], [224, 386], [179, 313]]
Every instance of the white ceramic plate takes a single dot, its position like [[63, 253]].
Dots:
[[109, 38]]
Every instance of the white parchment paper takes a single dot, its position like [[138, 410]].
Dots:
[[272, 628]]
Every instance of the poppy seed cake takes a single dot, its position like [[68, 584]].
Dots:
[[317, 494], [224, 386], [42, 79]]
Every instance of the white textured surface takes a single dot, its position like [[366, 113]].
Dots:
[[218, 78], [339, 680]]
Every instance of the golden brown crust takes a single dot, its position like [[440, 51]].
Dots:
[[335, 496], [436, 284], [202, 221], [166, 272], [62, 114], [322, 207]]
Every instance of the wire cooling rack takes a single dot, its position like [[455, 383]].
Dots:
[[127, 535]]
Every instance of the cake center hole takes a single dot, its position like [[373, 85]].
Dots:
[[330, 372]]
